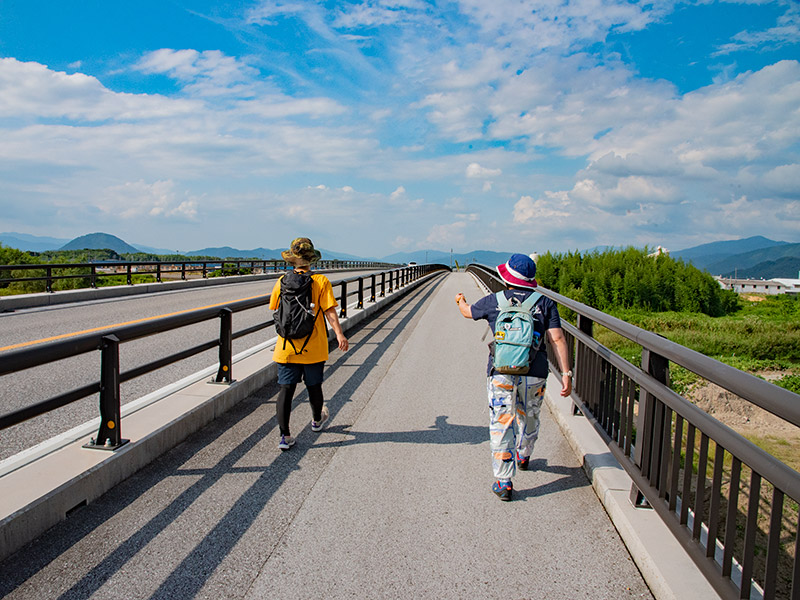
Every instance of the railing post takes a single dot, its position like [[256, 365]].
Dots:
[[93, 277], [383, 284], [343, 301], [48, 285], [225, 371], [158, 272], [646, 455], [109, 436], [581, 366], [130, 279], [372, 296], [360, 293], [183, 271]]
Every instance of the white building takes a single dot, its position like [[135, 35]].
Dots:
[[760, 286]]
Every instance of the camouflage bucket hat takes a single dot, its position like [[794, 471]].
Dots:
[[301, 252]]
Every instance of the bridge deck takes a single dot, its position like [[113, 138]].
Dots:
[[391, 500]]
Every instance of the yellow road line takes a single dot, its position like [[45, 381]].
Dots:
[[73, 334]]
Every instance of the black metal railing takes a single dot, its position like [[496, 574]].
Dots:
[[92, 274], [109, 435], [733, 506]]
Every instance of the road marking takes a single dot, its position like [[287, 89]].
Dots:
[[73, 334]]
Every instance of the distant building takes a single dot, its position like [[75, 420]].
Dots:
[[791, 286], [770, 287]]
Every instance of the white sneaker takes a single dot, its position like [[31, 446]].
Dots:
[[318, 425], [286, 442]]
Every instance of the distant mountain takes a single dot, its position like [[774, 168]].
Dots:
[[151, 250], [266, 253], [783, 268], [706, 255], [764, 256], [228, 252], [100, 241], [483, 257], [30, 243]]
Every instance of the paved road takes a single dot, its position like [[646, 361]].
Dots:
[[19, 390], [391, 501]]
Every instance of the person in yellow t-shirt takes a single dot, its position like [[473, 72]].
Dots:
[[306, 362]]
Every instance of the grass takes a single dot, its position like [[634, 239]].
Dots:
[[763, 336]]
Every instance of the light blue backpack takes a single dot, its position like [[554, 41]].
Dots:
[[515, 335]]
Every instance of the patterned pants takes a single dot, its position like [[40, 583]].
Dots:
[[513, 419]]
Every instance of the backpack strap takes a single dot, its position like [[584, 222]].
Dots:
[[531, 300], [528, 304], [319, 310]]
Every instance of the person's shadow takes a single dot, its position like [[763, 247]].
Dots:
[[573, 477], [441, 432]]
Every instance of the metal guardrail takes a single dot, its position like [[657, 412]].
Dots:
[[741, 529], [96, 271], [109, 435]]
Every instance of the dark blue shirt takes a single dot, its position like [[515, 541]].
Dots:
[[545, 315]]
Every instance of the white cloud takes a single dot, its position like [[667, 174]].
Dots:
[[475, 171], [398, 195], [784, 180], [31, 90], [553, 206], [628, 191], [207, 73], [134, 200], [785, 32], [442, 236]]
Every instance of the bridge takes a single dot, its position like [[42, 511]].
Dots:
[[392, 499]]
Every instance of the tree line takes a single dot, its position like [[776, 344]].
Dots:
[[634, 278], [78, 275]]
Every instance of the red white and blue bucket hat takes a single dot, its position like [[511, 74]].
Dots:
[[519, 271]]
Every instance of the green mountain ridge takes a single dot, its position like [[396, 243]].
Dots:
[[100, 241], [753, 259]]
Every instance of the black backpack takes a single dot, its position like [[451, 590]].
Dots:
[[295, 318]]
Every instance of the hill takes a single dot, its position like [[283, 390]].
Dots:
[[100, 241], [484, 257], [228, 252], [750, 261], [706, 255], [30, 243], [783, 268]]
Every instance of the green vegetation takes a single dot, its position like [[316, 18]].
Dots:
[[685, 305], [631, 279], [79, 277], [763, 335]]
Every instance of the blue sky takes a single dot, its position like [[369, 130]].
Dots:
[[397, 125]]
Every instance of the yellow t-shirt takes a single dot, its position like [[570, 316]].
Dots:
[[317, 348]]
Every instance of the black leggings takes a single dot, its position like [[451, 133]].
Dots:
[[285, 404]]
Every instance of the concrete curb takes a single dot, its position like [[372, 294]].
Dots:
[[44, 490], [668, 570]]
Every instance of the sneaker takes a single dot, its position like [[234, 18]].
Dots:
[[523, 462], [317, 425], [503, 490], [286, 442]]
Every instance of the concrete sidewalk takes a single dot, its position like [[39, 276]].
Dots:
[[392, 500]]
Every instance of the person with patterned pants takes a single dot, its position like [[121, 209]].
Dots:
[[515, 401]]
